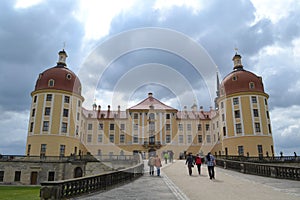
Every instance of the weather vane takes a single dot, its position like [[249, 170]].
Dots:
[[64, 45]]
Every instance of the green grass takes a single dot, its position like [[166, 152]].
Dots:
[[19, 192]]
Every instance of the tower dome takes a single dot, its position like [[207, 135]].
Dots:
[[240, 80], [59, 77]]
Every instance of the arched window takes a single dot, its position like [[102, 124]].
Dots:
[[51, 83]]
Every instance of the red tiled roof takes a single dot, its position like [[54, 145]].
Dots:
[[149, 102]]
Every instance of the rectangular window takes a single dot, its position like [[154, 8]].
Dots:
[[62, 150], [168, 138], [47, 111], [180, 139], [17, 176], [223, 117], [136, 127], [207, 127], [238, 128], [267, 113], [99, 153], [122, 127], [270, 130], [241, 150], [222, 104], [34, 99], [33, 112], [189, 139], [111, 127], [168, 127], [266, 102], [67, 99], [135, 116], [79, 103], [135, 139], [255, 113], [254, 99], [31, 127], [180, 127], [28, 149], [260, 150], [100, 138], [151, 126], [100, 126], [64, 127], [89, 138], [224, 131], [237, 114], [43, 150], [122, 138], [51, 176], [78, 116], [208, 140], [90, 127], [189, 127], [257, 127], [112, 138], [1, 176], [45, 125], [199, 127], [49, 97], [235, 101], [66, 112], [167, 116], [199, 138], [77, 130]]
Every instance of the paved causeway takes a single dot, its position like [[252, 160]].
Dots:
[[175, 183]]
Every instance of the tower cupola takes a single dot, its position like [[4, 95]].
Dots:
[[62, 56], [237, 61]]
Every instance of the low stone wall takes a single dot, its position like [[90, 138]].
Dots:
[[268, 170], [88, 184], [34, 170]]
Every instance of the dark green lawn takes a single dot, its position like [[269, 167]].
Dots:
[[19, 192]]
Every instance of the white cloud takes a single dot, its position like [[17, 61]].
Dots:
[[22, 4], [195, 5], [286, 129], [273, 10], [97, 15], [13, 132]]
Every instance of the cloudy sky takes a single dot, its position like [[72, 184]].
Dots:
[[266, 33]]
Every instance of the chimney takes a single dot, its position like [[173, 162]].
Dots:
[[119, 110], [99, 109], [150, 94], [201, 108], [108, 111]]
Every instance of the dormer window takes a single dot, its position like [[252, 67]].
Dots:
[[251, 85], [234, 78], [51, 83], [69, 76]]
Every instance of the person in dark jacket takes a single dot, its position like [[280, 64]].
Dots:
[[190, 163], [211, 162]]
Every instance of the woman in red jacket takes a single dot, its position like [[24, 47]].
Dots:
[[198, 163]]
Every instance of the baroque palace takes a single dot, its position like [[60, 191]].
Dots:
[[59, 125]]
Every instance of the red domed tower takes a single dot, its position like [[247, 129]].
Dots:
[[54, 124], [244, 114]]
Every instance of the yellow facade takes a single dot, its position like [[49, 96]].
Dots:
[[240, 125]]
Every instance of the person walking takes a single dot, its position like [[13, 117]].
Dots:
[[198, 163], [211, 162], [151, 163], [166, 156], [158, 165], [190, 163]]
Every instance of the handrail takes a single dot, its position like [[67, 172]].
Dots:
[[268, 170], [78, 186]]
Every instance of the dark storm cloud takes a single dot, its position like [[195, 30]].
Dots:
[[29, 41]]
